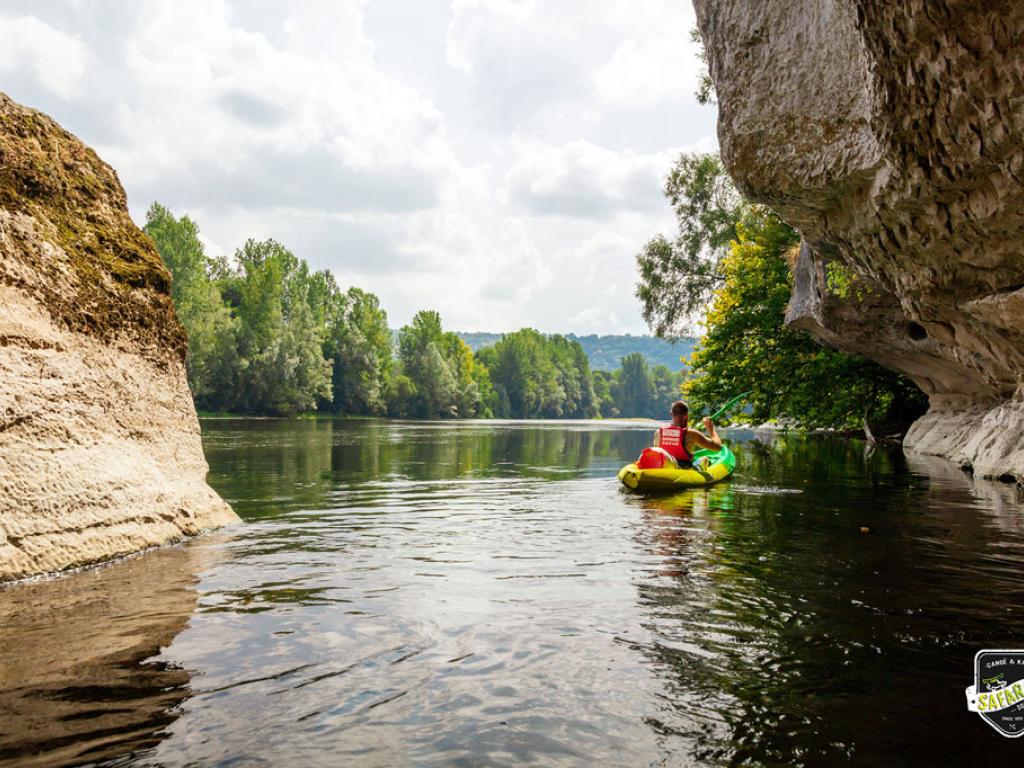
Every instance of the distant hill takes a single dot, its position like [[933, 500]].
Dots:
[[605, 352]]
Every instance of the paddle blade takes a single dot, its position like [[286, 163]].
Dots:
[[729, 405]]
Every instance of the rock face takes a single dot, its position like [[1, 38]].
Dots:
[[889, 134], [100, 453]]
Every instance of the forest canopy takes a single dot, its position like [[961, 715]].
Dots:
[[270, 336], [605, 352]]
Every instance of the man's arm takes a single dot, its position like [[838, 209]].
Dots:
[[657, 438], [712, 441]]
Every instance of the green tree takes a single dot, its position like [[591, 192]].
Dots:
[[606, 394], [282, 332], [212, 359], [417, 343], [445, 378], [524, 375], [679, 276], [747, 347], [436, 386], [495, 402], [472, 380], [536, 376], [636, 392], [359, 343], [399, 395], [268, 335], [666, 389], [574, 377], [705, 92], [733, 254]]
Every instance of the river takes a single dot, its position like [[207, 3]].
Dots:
[[483, 593]]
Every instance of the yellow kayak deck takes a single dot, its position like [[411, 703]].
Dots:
[[718, 466]]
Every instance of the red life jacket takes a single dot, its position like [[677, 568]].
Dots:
[[673, 440]]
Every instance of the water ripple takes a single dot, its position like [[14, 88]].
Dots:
[[484, 594]]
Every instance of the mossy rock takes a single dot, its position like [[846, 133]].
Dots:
[[118, 289]]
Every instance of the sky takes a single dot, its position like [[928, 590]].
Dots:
[[500, 161]]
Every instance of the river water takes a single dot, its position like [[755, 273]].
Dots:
[[483, 593]]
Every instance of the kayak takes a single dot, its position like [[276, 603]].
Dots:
[[709, 467]]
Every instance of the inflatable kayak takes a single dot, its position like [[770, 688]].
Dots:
[[709, 467]]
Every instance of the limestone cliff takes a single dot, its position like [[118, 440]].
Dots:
[[100, 453], [889, 134]]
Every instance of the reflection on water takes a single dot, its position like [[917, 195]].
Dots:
[[786, 635], [484, 594], [279, 465], [78, 680]]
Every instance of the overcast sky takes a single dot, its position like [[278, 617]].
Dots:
[[498, 160]]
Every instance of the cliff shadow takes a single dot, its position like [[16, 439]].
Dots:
[[78, 683]]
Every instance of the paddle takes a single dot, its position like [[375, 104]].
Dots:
[[728, 405]]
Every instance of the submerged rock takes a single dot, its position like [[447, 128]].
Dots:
[[100, 453], [888, 134]]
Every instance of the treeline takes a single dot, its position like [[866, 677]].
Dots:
[[605, 353], [636, 389], [270, 336]]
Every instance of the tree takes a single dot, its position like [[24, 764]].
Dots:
[[281, 337], [747, 347], [666, 388], [574, 377], [525, 375], [417, 345], [445, 377], [606, 394], [212, 358], [472, 380], [705, 92], [536, 376], [678, 277], [635, 388], [291, 374], [359, 343], [400, 394], [268, 335], [733, 253]]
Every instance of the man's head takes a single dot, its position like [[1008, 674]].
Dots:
[[680, 413]]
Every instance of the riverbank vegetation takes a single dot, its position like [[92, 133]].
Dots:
[[605, 352], [270, 336], [727, 270]]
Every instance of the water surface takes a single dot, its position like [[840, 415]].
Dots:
[[483, 593]]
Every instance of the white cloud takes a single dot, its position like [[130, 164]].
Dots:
[[224, 115], [647, 72], [632, 55], [598, 319], [477, 25], [519, 269], [585, 180], [56, 60], [654, 62], [502, 164]]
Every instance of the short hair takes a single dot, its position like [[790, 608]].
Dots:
[[679, 408]]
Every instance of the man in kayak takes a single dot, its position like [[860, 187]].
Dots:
[[679, 441]]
